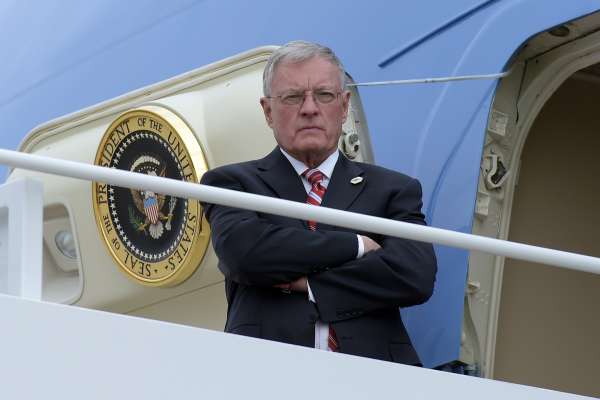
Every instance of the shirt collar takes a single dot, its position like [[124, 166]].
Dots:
[[326, 167]]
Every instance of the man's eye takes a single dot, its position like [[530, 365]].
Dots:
[[294, 98], [324, 96]]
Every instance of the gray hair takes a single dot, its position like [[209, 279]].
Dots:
[[299, 51]]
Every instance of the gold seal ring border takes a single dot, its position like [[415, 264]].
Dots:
[[199, 245]]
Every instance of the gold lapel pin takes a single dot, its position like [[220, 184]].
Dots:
[[356, 180]]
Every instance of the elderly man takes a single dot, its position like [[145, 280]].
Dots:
[[303, 282]]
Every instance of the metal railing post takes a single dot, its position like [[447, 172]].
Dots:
[[21, 232]]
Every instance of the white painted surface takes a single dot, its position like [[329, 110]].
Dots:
[[21, 205], [201, 98], [64, 352]]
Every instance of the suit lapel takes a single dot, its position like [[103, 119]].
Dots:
[[341, 192], [279, 175]]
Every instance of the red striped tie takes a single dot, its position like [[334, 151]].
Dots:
[[317, 191], [315, 197]]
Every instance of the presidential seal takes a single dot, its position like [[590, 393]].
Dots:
[[156, 239]]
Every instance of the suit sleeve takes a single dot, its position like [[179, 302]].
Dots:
[[401, 273], [254, 251]]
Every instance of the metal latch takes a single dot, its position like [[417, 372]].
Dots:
[[350, 144], [495, 172]]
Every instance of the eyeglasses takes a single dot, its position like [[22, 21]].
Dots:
[[297, 97]]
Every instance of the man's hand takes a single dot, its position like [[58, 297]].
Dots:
[[370, 244], [299, 285]]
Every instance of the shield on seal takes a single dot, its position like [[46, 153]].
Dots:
[[151, 208]]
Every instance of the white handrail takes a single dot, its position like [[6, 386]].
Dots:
[[298, 210]]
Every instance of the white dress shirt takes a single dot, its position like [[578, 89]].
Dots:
[[326, 168]]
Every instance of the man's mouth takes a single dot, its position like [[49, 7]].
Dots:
[[310, 128]]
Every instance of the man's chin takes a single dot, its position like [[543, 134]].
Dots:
[[313, 148], [313, 151]]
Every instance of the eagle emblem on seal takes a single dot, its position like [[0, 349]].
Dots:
[[148, 216]]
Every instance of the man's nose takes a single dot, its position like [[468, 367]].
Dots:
[[309, 105]]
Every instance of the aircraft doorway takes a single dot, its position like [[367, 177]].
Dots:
[[529, 323], [548, 330]]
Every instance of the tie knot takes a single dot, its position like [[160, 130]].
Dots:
[[313, 176]]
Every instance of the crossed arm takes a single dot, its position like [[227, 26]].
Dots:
[[253, 250], [301, 284]]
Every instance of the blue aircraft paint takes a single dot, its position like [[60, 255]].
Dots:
[[438, 30], [59, 57]]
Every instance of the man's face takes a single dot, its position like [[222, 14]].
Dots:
[[309, 130]]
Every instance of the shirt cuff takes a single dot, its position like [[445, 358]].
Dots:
[[361, 248], [310, 295]]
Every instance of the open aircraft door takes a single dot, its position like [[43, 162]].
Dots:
[[530, 323]]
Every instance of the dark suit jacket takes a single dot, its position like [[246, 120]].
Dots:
[[359, 297]]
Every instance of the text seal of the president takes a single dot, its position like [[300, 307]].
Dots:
[[155, 238]]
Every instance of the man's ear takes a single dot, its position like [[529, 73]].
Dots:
[[266, 106], [345, 102]]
